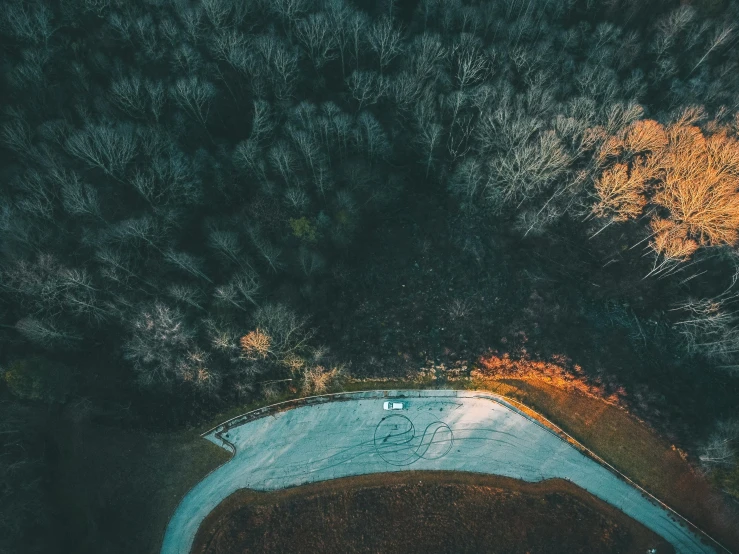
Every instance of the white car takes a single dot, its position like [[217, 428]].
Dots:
[[393, 405]]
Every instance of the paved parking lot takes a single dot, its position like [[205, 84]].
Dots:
[[436, 430]]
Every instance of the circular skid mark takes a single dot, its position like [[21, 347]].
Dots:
[[397, 442]]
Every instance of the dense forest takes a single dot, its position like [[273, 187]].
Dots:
[[203, 198]]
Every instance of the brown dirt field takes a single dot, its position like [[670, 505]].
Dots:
[[422, 512]]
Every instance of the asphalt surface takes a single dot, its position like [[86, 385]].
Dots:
[[436, 430]]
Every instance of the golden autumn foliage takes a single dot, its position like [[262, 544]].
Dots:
[[670, 240], [255, 344], [293, 362], [644, 135], [319, 379], [621, 197], [692, 175], [558, 372], [699, 189]]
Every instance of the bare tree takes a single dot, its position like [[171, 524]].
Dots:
[[470, 65], [193, 21], [670, 26], [30, 72], [243, 287], [248, 156], [187, 294], [168, 180], [316, 36], [118, 267], [339, 129], [187, 60], [308, 146], [270, 253], [358, 29], [37, 283], [720, 37], [195, 96], [287, 333], [227, 44], [427, 53], [78, 198], [187, 263], [283, 160], [192, 368], [288, 10], [107, 147], [458, 142], [323, 179], [31, 22], [459, 308], [621, 195], [297, 199], [428, 140], [722, 447], [16, 132], [527, 170], [46, 333], [371, 138], [468, 180], [138, 97], [129, 94], [226, 244], [38, 195], [82, 298], [620, 115], [690, 176], [385, 41], [223, 337], [338, 15], [145, 229], [218, 12], [262, 123], [709, 325], [597, 82], [146, 39], [367, 87], [285, 64], [281, 64], [159, 345], [406, 89]]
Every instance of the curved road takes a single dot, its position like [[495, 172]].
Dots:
[[437, 430]]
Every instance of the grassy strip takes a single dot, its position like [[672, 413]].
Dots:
[[632, 448], [428, 493], [117, 489]]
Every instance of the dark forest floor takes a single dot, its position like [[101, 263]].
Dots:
[[438, 289]]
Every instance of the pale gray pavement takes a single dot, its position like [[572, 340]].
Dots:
[[441, 430]]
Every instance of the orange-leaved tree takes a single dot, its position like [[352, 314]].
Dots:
[[690, 176], [255, 344]]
